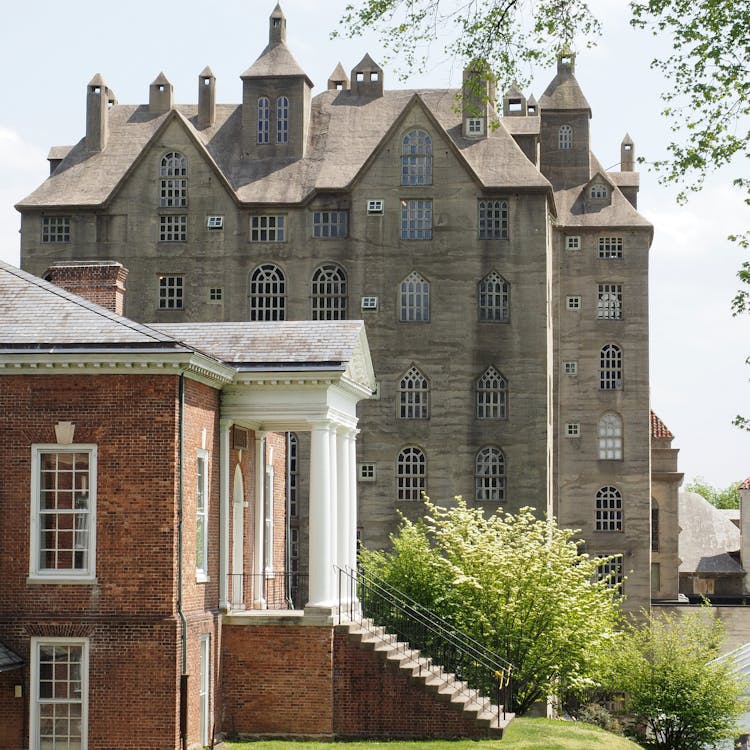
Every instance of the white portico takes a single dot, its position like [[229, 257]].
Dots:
[[296, 376]]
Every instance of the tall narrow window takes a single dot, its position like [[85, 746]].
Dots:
[[264, 115], [63, 514], [610, 368], [489, 475], [493, 220], [565, 138], [654, 525], [609, 302], [411, 474], [329, 293], [201, 515], [173, 180], [416, 158], [267, 293], [608, 509], [414, 298], [610, 437], [282, 120], [204, 689], [292, 447], [494, 298], [59, 701], [414, 395], [492, 395], [416, 219]]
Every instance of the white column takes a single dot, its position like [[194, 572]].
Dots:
[[353, 506], [343, 506], [320, 591], [225, 426], [258, 579]]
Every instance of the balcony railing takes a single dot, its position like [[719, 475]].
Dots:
[[277, 590]]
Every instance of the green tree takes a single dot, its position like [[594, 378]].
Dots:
[[665, 666], [729, 497], [516, 583]]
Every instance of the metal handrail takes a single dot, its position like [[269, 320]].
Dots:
[[363, 596]]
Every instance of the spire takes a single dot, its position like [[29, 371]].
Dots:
[[627, 154], [338, 80], [277, 27]]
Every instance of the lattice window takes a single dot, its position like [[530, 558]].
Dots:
[[611, 570], [608, 509], [494, 298], [329, 294], [173, 180], [173, 228], [416, 219], [565, 138], [598, 191], [416, 158], [267, 293], [493, 220], [264, 116], [282, 120], [171, 292], [56, 229], [330, 224], [267, 228], [609, 302], [610, 247], [411, 474], [492, 395], [610, 368], [414, 298], [489, 475], [414, 395], [610, 437]]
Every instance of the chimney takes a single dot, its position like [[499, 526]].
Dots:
[[514, 102], [101, 281], [98, 97], [627, 154], [160, 95], [338, 80], [477, 98], [367, 79], [206, 98]]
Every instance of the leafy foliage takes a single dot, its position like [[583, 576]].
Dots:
[[514, 582], [664, 666], [729, 497]]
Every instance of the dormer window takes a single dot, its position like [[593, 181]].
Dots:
[[598, 191], [475, 127], [565, 138]]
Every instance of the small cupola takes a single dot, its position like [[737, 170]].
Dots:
[[160, 95], [277, 27], [627, 154], [338, 80], [98, 98], [206, 98], [532, 108], [514, 102], [367, 79], [566, 61]]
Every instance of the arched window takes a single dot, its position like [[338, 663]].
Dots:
[[416, 158], [565, 138], [282, 120], [608, 509], [414, 298], [494, 298], [267, 293], [414, 395], [329, 293], [173, 181], [610, 437], [264, 115], [411, 474], [489, 475], [598, 191], [492, 395], [610, 368]]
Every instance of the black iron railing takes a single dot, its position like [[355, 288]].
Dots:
[[363, 597], [278, 590]]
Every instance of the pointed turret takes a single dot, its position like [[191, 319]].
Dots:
[[160, 95], [627, 154], [338, 80], [532, 108], [98, 98], [206, 98], [277, 27], [367, 79]]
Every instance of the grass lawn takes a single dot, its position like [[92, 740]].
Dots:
[[523, 734]]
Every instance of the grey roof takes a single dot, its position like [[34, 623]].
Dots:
[[564, 93], [618, 212], [303, 343], [707, 537], [276, 61], [34, 313], [8, 659]]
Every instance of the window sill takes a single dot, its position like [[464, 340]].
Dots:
[[37, 579], [202, 578]]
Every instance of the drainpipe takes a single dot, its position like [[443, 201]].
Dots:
[[181, 614]]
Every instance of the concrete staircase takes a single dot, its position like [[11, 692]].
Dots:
[[429, 677]]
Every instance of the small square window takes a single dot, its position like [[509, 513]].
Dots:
[[56, 229], [572, 429], [573, 242], [173, 228], [367, 472], [215, 222], [369, 303], [170, 292], [610, 247], [215, 294], [475, 126], [570, 368], [375, 206], [573, 302]]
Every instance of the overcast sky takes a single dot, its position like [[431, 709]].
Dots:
[[699, 380]]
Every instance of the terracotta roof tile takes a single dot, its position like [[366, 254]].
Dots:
[[659, 429]]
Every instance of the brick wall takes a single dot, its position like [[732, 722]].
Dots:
[[12, 729]]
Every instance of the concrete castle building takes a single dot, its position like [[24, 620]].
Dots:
[[501, 273]]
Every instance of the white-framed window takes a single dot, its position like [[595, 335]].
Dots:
[[611, 570], [494, 298], [59, 693], [282, 120], [215, 294], [268, 518], [173, 180], [572, 242], [56, 229], [375, 206], [489, 475], [475, 126], [264, 116], [267, 293], [411, 473], [414, 303], [414, 395], [565, 138], [201, 515], [205, 689], [63, 512], [570, 368], [416, 219], [572, 429], [416, 158], [608, 509], [214, 223], [173, 228], [609, 302], [329, 293], [610, 368], [330, 224], [171, 292], [610, 247], [610, 437], [292, 467], [492, 395], [493, 220], [367, 473], [267, 229], [573, 302], [598, 191], [368, 304]]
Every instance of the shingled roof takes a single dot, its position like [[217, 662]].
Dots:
[[658, 429]]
